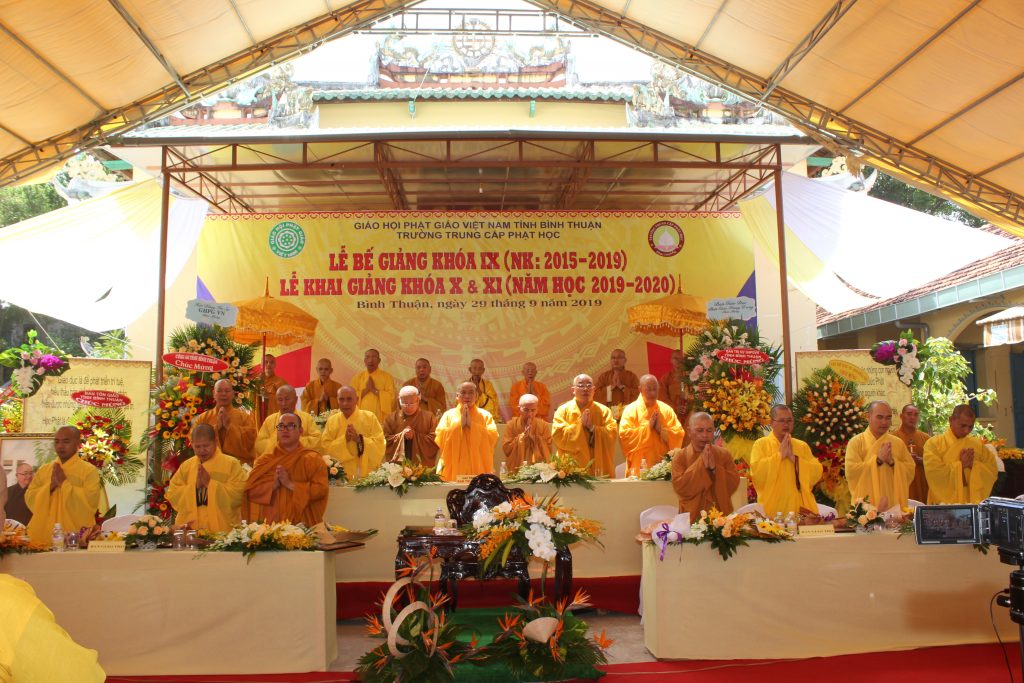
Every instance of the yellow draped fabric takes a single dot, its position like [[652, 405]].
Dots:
[[334, 443], [775, 479], [266, 440], [74, 503], [224, 493], [948, 481], [466, 451], [381, 403], [639, 442], [867, 478], [238, 439], [572, 439], [33, 647]]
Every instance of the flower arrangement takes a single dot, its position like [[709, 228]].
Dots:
[[560, 471], [335, 472], [148, 530], [743, 469], [399, 476], [1011, 453], [539, 529], [661, 471], [178, 403], [15, 542], [544, 643], [255, 537], [731, 373], [862, 514], [216, 341], [106, 443], [33, 362], [10, 413], [320, 419], [725, 533], [905, 352], [421, 643], [828, 411]]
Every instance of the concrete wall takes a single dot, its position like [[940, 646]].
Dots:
[[472, 114]]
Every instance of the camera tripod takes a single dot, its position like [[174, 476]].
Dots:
[[1013, 597]]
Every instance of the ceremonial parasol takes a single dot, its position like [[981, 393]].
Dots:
[[670, 316], [273, 322]]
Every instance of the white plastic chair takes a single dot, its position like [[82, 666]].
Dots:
[[13, 524], [826, 510], [120, 524], [657, 514], [751, 507], [913, 504], [620, 471]]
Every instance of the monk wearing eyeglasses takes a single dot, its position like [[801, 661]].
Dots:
[[290, 482]]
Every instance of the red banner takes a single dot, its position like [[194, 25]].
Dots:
[[742, 355], [196, 362], [98, 398]]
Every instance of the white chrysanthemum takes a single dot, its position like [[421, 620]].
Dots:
[[540, 541], [538, 516], [482, 518], [23, 376]]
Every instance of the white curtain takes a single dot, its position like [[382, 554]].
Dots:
[[96, 264]]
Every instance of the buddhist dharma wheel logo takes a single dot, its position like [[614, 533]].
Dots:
[[287, 239], [666, 238]]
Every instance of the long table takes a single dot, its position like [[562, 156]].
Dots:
[[818, 597], [616, 504], [178, 613]]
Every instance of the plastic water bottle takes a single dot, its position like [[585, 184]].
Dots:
[[440, 521], [778, 519], [643, 466], [791, 525], [503, 471], [57, 540]]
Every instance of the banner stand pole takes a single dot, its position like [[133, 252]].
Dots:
[[787, 352]]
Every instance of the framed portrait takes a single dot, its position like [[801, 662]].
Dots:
[[35, 449]]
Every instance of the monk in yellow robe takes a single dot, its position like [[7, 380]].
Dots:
[[914, 439], [958, 466], [353, 437], [585, 429], [649, 428], [530, 385], [410, 430], [878, 466], [33, 647], [617, 387], [206, 491], [433, 397], [486, 396], [320, 395], [783, 469], [375, 388], [704, 476], [288, 484], [236, 431], [527, 438], [466, 436], [286, 399], [67, 490]]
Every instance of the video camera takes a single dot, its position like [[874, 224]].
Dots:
[[996, 521]]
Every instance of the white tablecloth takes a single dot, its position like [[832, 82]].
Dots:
[[168, 612], [818, 597]]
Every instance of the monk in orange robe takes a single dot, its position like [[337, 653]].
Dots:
[[530, 385], [289, 483], [704, 476], [527, 437], [236, 431], [913, 438], [648, 428], [618, 387], [321, 394]]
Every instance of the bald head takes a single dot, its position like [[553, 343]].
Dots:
[[701, 430], [204, 441], [66, 441], [467, 394], [347, 400], [649, 389], [879, 418], [286, 398], [223, 393]]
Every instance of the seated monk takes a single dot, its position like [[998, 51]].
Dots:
[[958, 466], [466, 435], [410, 430], [289, 483], [67, 490], [285, 398], [704, 476], [236, 431], [206, 491], [783, 469], [648, 428], [527, 437], [585, 429], [878, 466]]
